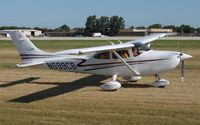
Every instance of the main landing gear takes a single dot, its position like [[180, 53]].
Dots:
[[112, 85], [160, 83]]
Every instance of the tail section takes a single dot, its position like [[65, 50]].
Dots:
[[27, 50]]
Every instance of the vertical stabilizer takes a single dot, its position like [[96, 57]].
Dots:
[[27, 50]]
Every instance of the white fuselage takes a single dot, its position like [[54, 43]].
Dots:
[[148, 62]]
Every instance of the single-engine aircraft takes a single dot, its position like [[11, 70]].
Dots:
[[129, 60]]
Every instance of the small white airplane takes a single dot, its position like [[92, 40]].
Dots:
[[129, 60]]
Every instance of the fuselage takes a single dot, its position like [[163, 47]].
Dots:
[[148, 62]]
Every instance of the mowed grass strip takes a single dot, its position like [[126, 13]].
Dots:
[[133, 104]]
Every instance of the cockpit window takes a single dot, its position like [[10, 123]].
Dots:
[[144, 47], [138, 49], [102, 55]]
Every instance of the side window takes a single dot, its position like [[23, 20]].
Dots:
[[135, 51], [103, 55], [123, 53]]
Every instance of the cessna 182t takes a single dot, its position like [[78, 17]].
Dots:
[[129, 60]]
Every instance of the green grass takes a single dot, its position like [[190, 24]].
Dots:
[[177, 104], [178, 44], [69, 44]]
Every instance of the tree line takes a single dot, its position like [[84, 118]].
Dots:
[[184, 28], [108, 26], [63, 28], [105, 25]]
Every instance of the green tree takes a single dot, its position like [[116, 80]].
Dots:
[[170, 27], [13, 28], [63, 28], [141, 27], [116, 23], [132, 27], [155, 26], [79, 31], [178, 29], [186, 29], [90, 25], [97, 25], [43, 29], [103, 25]]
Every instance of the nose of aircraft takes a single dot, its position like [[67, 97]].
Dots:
[[185, 56]]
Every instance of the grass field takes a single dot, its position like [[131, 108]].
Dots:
[[42, 97]]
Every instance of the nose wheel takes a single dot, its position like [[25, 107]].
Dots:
[[160, 83]]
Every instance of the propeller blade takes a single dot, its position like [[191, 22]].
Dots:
[[182, 70], [182, 66]]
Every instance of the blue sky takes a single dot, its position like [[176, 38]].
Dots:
[[54, 13]]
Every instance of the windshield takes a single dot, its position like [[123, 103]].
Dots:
[[139, 48], [142, 47]]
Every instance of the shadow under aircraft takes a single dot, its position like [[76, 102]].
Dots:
[[21, 81], [61, 88]]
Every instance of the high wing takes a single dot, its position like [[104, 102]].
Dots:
[[98, 49], [130, 44], [148, 39]]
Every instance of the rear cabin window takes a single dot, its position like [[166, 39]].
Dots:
[[103, 55], [135, 51], [123, 53]]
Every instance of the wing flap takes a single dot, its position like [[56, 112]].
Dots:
[[97, 49], [106, 48]]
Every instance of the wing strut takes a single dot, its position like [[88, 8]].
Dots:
[[126, 64]]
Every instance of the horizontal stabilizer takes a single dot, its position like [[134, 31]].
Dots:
[[29, 64]]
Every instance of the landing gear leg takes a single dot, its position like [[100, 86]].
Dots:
[[160, 83], [114, 78], [157, 76], [112, 85]]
